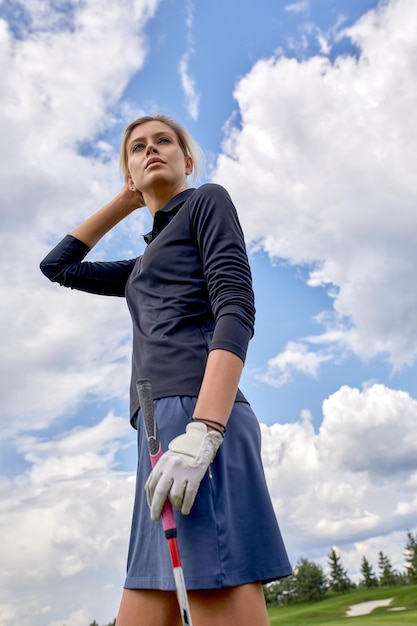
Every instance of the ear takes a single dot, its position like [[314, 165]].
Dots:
[[129, 182], [189, 165]]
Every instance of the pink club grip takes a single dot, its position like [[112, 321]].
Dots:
[[144, 389]]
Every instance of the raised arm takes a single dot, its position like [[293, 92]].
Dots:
[[65, 263], [96, 226]]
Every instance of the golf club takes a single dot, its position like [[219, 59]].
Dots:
[[144, 389]]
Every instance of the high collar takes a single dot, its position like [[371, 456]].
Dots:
[[165, 214]]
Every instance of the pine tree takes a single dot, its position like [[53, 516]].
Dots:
[[411, 558], [310, 581], [338, 579], [369, 579], [387, 575]]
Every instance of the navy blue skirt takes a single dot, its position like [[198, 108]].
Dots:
[[231, 536]]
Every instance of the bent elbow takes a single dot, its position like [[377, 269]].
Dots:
[[50, 270]]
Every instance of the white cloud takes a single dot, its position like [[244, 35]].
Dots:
[[295, 358], [62, 348], [348, 482], [321, 170], [297, 7], [351, 416], [188, 84], [65, 518], [192, 97]]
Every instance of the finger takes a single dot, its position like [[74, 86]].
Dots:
[[160, 494], [149, 493], [176, 494], [160, 469], [189, 497], [150, 485]]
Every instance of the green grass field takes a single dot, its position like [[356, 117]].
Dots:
[[332, 610]]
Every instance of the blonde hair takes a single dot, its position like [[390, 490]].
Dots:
[[186, 142]]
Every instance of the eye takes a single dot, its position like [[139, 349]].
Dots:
[[137, 146], [164, 140]]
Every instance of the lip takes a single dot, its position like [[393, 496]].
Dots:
[[152, 161]]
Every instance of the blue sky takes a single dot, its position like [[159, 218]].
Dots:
[[306, 114]]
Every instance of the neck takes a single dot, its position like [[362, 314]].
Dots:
[[156, 199]]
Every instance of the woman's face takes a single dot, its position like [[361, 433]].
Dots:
[[155, 159]]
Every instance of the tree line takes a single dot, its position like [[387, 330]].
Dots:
[[309, 582]]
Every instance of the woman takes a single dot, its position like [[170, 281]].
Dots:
[[191, 302]]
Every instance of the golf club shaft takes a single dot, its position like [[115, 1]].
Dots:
[[144, 390]]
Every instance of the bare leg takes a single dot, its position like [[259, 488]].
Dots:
[[240, 606], [144, 607]]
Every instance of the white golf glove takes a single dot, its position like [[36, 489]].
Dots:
[[181, 469]]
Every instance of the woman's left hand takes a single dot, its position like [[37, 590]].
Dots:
[[181, 469]]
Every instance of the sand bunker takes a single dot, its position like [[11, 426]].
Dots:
[[363, 608]]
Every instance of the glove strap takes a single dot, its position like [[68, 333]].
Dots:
[[217, 426]]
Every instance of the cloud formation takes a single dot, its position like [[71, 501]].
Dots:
[[351, 481], [62, 76], [321, 168], [65, 518], [192, 97], [295, 358], [297, 7]]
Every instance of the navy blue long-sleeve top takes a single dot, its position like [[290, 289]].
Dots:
[[188, 293]]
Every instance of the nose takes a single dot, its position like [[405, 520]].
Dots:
[[151, 148]]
